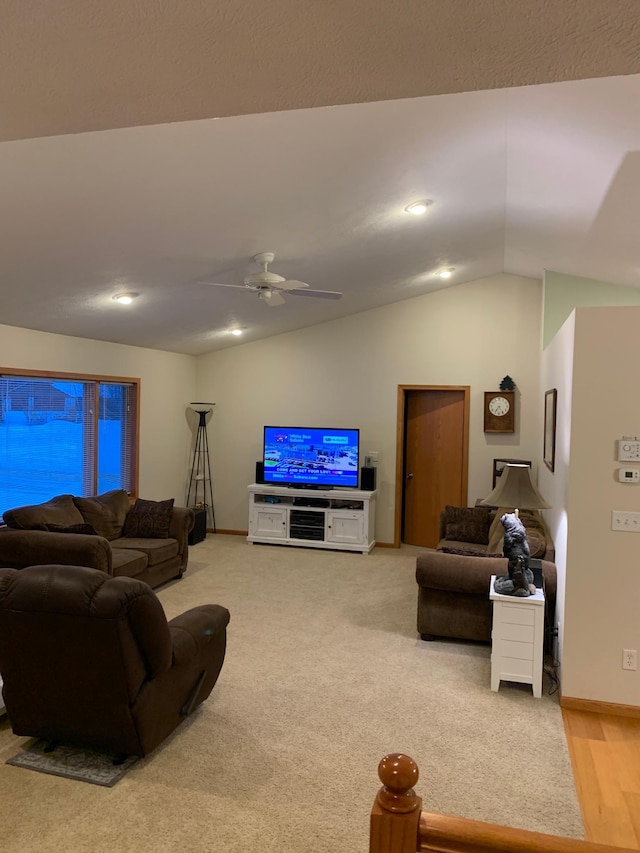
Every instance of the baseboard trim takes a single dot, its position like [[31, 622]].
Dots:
[[229, 532], [594, 706], [246, 533]]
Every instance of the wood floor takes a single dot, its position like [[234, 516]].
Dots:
[[605, 755]]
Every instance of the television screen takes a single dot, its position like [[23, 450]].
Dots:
[[308, 456]]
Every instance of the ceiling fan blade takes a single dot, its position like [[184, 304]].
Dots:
[[319, 294], [291, 285], [272, 298], [219, 284]]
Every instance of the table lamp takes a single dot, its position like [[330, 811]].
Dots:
[[515, 489]]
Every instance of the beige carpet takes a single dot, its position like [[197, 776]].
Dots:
[[324, 675]]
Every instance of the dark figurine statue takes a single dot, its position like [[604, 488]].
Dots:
[[515, 548]]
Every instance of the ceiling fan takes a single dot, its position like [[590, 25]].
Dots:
[[269, 286]]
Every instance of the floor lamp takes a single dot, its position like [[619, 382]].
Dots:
[[200, 488]]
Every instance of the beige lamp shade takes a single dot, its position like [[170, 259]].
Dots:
[[515, 489]]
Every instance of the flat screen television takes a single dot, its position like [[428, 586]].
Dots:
[[311, 457]]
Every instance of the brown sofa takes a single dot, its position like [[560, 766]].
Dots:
[[453, 594], [477, 529], [91, 660], [97, 532], [453, 581]]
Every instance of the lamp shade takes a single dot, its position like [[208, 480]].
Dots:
[[515, 489]]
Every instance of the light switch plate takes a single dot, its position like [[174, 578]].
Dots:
[[622, 520]]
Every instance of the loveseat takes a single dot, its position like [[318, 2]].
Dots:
[[468, 531], [453, 581], [147, 540]]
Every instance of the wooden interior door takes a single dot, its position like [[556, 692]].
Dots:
[[435, 459]]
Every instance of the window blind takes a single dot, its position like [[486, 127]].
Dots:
[[65, 436]]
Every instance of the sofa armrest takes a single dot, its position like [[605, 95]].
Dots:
[[21, 548], [182, 520], [194, 628], [458, 573], [455, 573]]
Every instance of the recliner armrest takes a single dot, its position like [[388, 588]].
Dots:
[[21, 548], [194, 628]]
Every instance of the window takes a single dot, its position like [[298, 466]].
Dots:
[[66, 434]]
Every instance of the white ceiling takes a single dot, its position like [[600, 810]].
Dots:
[[522, 179]]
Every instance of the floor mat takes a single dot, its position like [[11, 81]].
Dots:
[[73, 762]]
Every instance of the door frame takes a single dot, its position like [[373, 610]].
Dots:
[[400, 446]]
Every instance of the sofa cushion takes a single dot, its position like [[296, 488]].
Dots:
[[468, 552], [106, 512], [87, 529], [127, 562], [467, 524], [156, 550], [59, 510], [149, 519]]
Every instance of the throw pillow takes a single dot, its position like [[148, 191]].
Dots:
[[87, 529], [467, 552], [149, 519], [467, 524], [58, 510], [105, 512]]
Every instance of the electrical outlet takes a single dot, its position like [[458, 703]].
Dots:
[[629, 659]]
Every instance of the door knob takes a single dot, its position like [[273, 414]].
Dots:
[[409, 476]]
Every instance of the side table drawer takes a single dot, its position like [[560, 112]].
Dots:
[[512, 669], [517, 614], [511, 649], [520, 633]]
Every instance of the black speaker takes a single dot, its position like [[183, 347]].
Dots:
[[259, 472], [199, 531], [368, 479]]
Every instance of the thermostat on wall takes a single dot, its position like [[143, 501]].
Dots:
[[628, 450], [629, 475]]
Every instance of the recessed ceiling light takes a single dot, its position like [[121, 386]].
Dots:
[[446, 273], [124, 298], [236, 332], [419, 207]]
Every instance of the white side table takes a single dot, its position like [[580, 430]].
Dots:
[[517, 639]]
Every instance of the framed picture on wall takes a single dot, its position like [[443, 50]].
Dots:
[[550, 406]]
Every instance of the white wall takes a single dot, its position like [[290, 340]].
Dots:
[[346, 373], [602, 603], [167, 384], [557, 372], [563, 293]]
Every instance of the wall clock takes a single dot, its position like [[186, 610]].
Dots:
[[499, 411]]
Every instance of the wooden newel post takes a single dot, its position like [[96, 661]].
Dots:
[[395, 816]]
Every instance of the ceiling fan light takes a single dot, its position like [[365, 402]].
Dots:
[[446, 273], [124, 298], [236, 332], [418, 207]]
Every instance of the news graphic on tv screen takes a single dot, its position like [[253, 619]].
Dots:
[[311, 456]]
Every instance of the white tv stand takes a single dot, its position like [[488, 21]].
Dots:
[[342, 519]]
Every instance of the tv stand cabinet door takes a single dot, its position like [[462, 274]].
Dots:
[[268, 522], [345, 527]]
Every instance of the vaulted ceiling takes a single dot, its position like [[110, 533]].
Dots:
[[152, 147]]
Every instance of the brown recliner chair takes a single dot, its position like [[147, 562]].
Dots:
[[91, 660]]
